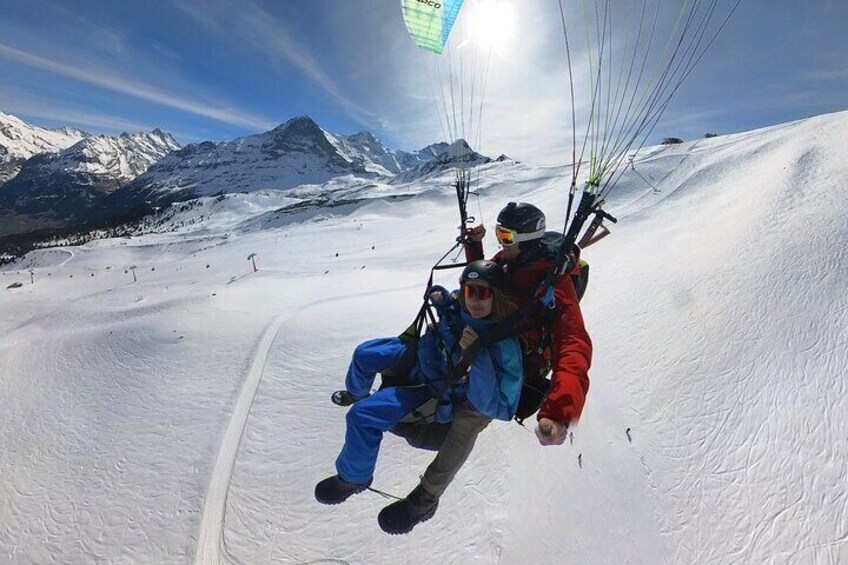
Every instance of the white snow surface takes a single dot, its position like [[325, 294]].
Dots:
[[186, 418]]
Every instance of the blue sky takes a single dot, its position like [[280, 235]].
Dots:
[[220, 69]]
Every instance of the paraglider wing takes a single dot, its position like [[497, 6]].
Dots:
[[430, 21]]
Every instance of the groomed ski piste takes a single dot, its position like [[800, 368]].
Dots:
[[185, 417]]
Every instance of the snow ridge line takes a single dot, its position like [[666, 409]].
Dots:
[[211, 532]]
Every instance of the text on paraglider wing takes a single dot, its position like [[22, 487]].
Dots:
[[432, 3]]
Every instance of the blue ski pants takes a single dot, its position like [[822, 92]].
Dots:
[[369, 418], [369, 358]]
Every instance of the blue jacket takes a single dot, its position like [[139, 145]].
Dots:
[[494, 379]]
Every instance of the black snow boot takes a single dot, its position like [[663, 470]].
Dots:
[[335, 490], [401, 516], [342, 398]]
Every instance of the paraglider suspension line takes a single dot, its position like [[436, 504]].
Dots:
[[384, 494]]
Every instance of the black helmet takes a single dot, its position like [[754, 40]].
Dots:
[[520, 223], [483, 270], [523, 218]]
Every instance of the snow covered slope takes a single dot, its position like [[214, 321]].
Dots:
[[178, 411], [19, 141]]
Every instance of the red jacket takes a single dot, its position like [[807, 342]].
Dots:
[[570, 352]]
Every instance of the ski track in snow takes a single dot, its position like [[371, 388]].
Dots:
[[71, 256], [212, 523]]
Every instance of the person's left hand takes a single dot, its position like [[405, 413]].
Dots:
[[469, 336], [439, 296], [551, 432]]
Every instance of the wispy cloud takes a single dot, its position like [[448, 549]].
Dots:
[[828, 75], [130, 87], [106, 39], [29, 106], [85, 120], [272, 36]]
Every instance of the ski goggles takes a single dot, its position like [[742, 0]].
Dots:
[[508, 237], [476, 292]]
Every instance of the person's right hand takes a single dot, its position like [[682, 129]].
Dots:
[[551, 432], [469, 336], [477, 233]]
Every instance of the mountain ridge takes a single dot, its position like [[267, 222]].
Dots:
[[59, 188], [101, 178]]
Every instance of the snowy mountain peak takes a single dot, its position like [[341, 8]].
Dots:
[[132, 171], [23, 140], [299, 125], [435, 149], [460, 145], [66, 185], [439, 156], [365, 137], [297, 152], [298, 134], [20, 141], [71, 132], [161, 135], [123, 157]]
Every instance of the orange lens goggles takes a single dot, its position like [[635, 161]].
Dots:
[[476, 292], [506, 236]]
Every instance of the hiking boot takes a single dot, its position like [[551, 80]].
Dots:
[[401, 516], [335, 490]]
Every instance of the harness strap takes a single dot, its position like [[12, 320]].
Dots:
[[527, 317]]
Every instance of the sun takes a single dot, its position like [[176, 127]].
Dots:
[[491, 23]]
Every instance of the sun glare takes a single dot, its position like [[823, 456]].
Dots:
[[491, 23]]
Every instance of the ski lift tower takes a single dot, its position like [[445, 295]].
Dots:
[[252, 258]]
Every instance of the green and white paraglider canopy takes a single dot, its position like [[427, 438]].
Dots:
[[430, 21]]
